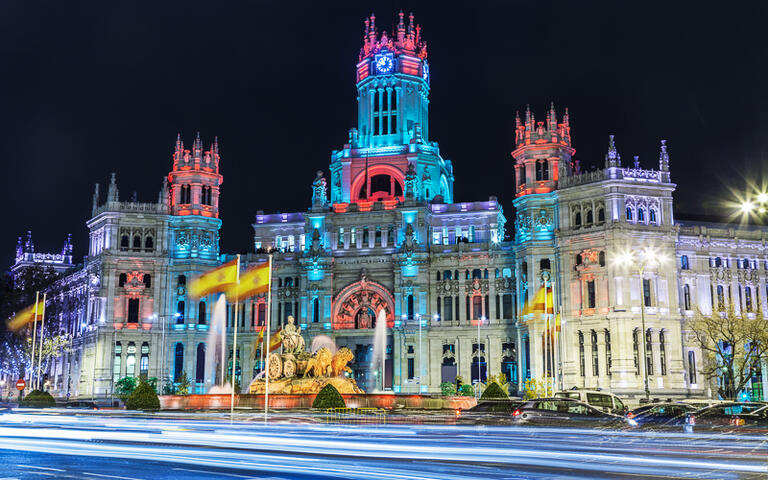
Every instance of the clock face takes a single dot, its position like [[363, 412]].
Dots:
[[425, 71], [384, 63]]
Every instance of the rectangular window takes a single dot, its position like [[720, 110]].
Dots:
[[376, 121], [116, 368], [448, 309], [133, 310], [691, 367], [595, 356], [647, 292], [471, 233], [636, 350], [662, 353], [582, 367], [340, 243], [445, 235], [393, 128], [648, 352], [591, 294], [506, 306], [477, 307], [608, 356], [436, 237], [353, 237], [411, 369]]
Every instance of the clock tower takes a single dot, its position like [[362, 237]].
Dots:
[[392, 78]]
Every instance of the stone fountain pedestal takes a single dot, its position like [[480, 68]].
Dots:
[[305, 386]]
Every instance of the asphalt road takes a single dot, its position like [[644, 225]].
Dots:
[[123, 446]]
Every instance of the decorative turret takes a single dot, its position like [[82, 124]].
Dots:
[[26, 257], [96, 200], [112, 193], [664, 157], [319, 191], [195, 179], [393, 84], [612, 158], [543, 152]]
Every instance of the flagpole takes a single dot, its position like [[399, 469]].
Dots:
[[42, 333], [34, 337], [546, 349], [267, 344], [234, 345]]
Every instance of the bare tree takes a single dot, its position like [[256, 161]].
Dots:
[[733, 346]]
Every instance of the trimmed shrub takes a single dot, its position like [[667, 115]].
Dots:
[[183, 387], [125, 387], [494, 392], [38, 399], [329, 397], [143, 398], [447, 389], [466, 390]]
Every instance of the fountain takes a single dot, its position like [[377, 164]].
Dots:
[[379, 348], [321, 341], [215, 359], [296, 371]]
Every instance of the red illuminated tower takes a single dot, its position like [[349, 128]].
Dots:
[[195, 180]]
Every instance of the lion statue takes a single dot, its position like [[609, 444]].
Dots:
[[317, 366], [340, 360]]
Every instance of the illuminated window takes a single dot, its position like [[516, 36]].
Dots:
[[353, 237], [640, 215], [180, 308], [144, 361], [340, 243], [477, 307], [629, 214], [116, 364], [684, 262], [652, 215]]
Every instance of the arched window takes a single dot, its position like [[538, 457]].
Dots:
[[178, 361], [116, 364], [455, 274], [590, 218], [601, 258], [200, 368], [130, 361], [640, 215], [629, 214], [202, 318], [691, 367], [496, 273], [410, 306], [595, 356], [600, 215], [718, 262], [652, 216], [476, 274], [748, 298], [648, 352], [149, 244], [662, 354], [684, 262], [137, 242], [577, 220], [122, 279], [687, 297], [582, 366], [180, 307], [485, 273], [124, 242], [144, 361], [745, 263], [720, 298], [447, 275], [147, 278]]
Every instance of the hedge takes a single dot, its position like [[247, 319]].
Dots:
[[494, 392], [38, 399], [329, 397], [143, 398]]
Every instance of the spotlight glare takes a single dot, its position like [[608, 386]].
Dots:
[[762, 197]]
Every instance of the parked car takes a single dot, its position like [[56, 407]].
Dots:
[[731, 414], [489, 411], [559, 411], [605, 401], [659, 413], [80, 404]]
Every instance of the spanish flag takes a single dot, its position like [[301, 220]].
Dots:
[[275, 340], [537, 305], [26, 316], [219, 279], [257, 342], [253, 281]]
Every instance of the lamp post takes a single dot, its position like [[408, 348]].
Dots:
[[421, 356], [479, 322], [162, 347], [647, 257]]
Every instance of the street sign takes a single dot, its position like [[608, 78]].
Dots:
[[21, 384]]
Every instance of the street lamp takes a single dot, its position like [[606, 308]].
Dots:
[[421, 356], [645, 258], [479, 322]]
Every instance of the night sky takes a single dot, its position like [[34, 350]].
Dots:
[[89, 89]]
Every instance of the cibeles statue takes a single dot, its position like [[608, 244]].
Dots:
[[293, 342]]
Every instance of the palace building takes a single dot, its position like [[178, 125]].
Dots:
[[383, 232]]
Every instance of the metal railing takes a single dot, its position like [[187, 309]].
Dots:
[[372, 416]]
